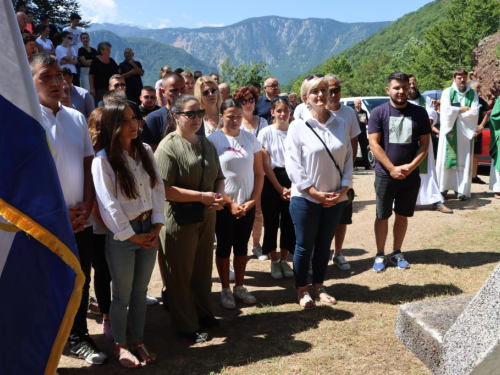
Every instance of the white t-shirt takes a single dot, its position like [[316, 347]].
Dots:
[[70, 142], [262, 124], [301, 110], [274, 141], [63, 52], [75, 34], [47, 45], [349, 116], [236, 155]]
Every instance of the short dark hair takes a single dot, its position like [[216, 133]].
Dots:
[[257, 85], [214, 74], [41, 58], [229, 103], [179, 70], [174, 75], [113, 95], [412, 76], [103, 45], [64, 34], [398, 76], [67, 72], [148, 89], [459, 72], [41, 28], [44, 17], [28, 38], [74, 16]]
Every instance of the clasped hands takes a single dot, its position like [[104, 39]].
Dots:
[[401, 171]]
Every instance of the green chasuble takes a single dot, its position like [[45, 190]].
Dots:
[[423, 166], [495, 135], [451, 137]]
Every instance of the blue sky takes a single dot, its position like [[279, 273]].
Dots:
[[197, 13]]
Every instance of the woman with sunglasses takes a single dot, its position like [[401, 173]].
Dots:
[[248, 97], [240, 155], [189, 166], [101, 70], [319, 164], [276, 191], [206, 91], [131, 200]]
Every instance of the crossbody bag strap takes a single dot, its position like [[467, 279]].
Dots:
[[326, 148], [202, 163]]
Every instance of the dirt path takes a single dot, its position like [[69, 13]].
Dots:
[[449, 255]]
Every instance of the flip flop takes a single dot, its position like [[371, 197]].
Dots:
[[309, 302], [322, 291], [130, 357]]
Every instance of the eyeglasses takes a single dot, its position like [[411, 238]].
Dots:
[[245, 101], [273, 86], [192, 114], [147, 97], [308, 78], [276, 98], [120, 85], [210, 91], [335, 90]]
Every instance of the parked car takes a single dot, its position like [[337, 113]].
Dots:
[[485, 158], [367, 103]]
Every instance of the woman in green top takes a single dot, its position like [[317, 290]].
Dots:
[[188, 248]]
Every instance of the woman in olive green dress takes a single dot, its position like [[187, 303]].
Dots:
[[188, 247]]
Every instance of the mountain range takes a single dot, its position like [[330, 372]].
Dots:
[[288, 46]]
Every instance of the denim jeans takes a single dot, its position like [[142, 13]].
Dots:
[[131, 267], [315, 227]]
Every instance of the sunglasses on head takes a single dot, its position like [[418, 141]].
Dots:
[[276, 98], [118, 85], [308, 78], [192, 114], [245, 101], [336, 90], [210, 91]]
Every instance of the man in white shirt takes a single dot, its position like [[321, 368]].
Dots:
[[67, 56], [71, 147], [73, 29], [349, 116]]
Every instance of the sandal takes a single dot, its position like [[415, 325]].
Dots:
[[129, 358], [322, 291], [150, 359], [309, 302]]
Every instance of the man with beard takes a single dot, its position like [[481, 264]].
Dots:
[[429, 190], [148, 102], [459, 113], [399, 138]]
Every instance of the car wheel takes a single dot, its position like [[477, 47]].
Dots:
[[371, 158]]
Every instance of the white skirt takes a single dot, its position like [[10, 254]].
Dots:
[[494, 179]]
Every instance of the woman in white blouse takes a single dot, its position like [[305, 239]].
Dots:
[[319, 187], [43, 39], [131, 198], [207, 92]]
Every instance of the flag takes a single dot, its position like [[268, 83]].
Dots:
[[40, 276]]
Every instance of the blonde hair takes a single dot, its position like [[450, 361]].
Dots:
[[94, 124], [197, 90], [308, 86]]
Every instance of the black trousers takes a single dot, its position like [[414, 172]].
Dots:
[[276, 212], [233, 233], [85, 244], [363, 143], [102, 277]]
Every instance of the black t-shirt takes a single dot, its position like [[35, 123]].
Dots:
[[134, 83], [360, 114], [401, 129], [92, 55], [482, 110], [145, 112], [102, 73]]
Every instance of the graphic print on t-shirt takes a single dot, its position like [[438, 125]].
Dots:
[[400, 129], [239, 153]]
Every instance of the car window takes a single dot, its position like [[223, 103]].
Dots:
[[350, 104], [372, 103]]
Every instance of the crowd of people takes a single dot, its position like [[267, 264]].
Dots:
[[161, 174]]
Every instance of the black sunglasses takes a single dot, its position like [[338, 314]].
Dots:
[[147, 97], [192, 114], [210, 91], [245, 101], [276, 98], [336, 90], [118, 85], [308, 78]]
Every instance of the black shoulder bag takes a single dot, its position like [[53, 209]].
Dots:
[[186, 213], [350, 192]]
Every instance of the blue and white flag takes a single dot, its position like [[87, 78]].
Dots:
[[40, 276]]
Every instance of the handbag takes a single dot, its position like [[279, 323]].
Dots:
[[350, 192], [186, 213]]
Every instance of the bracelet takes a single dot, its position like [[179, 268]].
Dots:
[[202, 195]]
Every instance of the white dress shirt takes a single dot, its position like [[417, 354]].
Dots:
[[307, 162], [115, 208]]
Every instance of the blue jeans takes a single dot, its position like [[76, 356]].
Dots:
[[315, 227], [131, 267]]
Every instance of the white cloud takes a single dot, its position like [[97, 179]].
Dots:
[[99, 11], [163, 22], [203, 24]]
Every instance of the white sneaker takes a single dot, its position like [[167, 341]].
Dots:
[[340, 262], [243, 295], [310, 272], [276, 270], [286, 269], [89, 352], [227, 299], [231, 273], [151, 301], [257, 251]]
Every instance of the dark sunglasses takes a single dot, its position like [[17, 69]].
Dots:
[[245, 101], [308, 78], [147, 97], [276, 98], [210, 91], [118, 85], [192, 114], [336, 90]]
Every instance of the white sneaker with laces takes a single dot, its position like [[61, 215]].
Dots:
[[276, 270], [231, 273], [340, 262], [243, 295], [286, 269], [257, 251], [89, 352], [227, 299], [310, 272], [151, 301]]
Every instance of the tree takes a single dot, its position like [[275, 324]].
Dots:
[[58, 10], [243, 75]]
